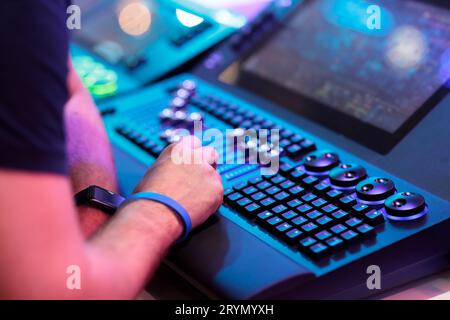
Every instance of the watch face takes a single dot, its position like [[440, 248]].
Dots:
[[100, 198], [107, 197]]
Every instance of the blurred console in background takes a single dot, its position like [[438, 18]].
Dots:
[[124, 44]]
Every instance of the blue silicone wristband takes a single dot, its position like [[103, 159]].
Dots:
[[172, 204]]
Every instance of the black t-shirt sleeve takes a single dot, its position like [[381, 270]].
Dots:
[[33, 84]]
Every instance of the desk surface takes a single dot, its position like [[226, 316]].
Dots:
[[167, 285]]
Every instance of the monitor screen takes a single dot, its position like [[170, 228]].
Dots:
[[336, 54]]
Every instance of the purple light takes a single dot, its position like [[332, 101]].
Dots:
[[414, 217], [444, 72], [370, 203]]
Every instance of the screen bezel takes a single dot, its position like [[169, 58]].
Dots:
[[362, 132]]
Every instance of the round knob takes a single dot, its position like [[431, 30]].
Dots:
[[189, 85], [405, 206], [183, 94], [167, 134], [180, 116], [375, 189], [178, 103], [347, 175], [320, 161], [166, 115]]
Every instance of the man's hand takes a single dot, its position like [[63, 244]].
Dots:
[[196, 186]]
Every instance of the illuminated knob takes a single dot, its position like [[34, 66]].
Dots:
[[405, 206], [167, 134], [320, 161], [375, 189], [178, 103], [180, 116], [195, 116], [166, 115], [189, 85], [347, 175], [183, 94], [177, 135]]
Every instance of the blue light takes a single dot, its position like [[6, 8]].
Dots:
[[187, 19]]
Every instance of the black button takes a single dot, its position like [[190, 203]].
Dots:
[[252, 209], [258, 196], [283, 227], [285, 133], [307, 145], [347, 201], [333, 194], [255, 180], [366, 230], [264, 216], [279, 209], [233, 197], [287, 184], [264, 185], [322, 187], [250, 190], [309, 227], [293, 235], [267, 202], [360, 209], [339, 228], [297, 190], [322, 235], [347, 175], [285, 143], [405, 206], [324, 221], [278, 179], [236, 121], [310, 180], [273, 190], [340, 215], [374, 217], [314, 214], [291, 214], [281, 195], [296, 138], [299, 220], [272, 222], [156, 151], [297, 174], [294, 150], [318, 251], [320, 161], [335, 243], [375, 189], [240, 186], [285, 168], [350, 236], [353, 222]]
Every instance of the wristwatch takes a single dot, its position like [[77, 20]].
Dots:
[[99, 198]]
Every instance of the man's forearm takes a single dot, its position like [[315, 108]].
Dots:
[[41, 242], [131, 246], [89, 152]]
